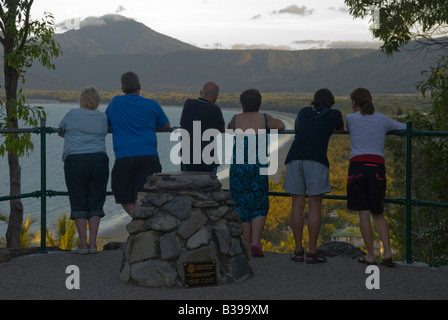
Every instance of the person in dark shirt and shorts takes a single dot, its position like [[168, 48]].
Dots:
[[205, 113], [307, 169]]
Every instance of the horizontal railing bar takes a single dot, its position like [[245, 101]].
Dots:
[[51, 193], [400, 201], [35, 194], [33, 130], [417, 133], [414, 133], [423, 203]]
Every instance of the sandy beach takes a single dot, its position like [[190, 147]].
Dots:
[[119, 233]]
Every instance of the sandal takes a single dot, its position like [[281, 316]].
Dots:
[[76, 250], [256, 250], [313, 258], [297, 256], [365, 261]]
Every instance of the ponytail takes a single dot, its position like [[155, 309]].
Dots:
[[363, 99]]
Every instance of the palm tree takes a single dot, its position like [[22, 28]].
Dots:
[[2, 239], [65, 237], [26, 236]]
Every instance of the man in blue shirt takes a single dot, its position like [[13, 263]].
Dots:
[[133, 121]]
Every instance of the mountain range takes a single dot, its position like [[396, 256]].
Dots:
[[97, 54]]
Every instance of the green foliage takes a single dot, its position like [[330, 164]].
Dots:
[[429, 172], [62, 235], [3, 218], [31, 40], [402, 21], [65, 236], [26, 236], [24, 41], [29, 116], [436, 85]]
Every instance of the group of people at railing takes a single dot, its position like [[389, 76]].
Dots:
[[134, 120]]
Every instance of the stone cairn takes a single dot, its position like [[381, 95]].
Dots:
[[183, 217]]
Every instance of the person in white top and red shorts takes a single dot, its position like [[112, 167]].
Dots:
[[366, 182]]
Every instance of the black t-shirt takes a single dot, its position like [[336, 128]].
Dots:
[[313, 128], [210, 116]]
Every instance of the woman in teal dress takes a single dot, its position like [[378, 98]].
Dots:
[[249, 188]]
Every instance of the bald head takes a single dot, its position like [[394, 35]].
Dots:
[[210, 92]]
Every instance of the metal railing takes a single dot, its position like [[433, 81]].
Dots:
[[408, 201]]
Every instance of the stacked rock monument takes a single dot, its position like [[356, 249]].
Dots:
[[184, 219]]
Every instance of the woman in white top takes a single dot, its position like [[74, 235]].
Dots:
[[366, 182]]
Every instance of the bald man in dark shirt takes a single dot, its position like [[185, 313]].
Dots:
[[205, 110]]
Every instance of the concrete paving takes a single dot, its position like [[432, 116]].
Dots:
[[276, 278]]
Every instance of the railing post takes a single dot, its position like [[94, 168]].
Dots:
[[408, 192], [43, 186]]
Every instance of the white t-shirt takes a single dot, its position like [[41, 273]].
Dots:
[[368, 132]]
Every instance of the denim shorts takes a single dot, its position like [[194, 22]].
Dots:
[[306, 175], [86, 177]]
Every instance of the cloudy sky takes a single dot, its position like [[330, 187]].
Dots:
[[295, 24]]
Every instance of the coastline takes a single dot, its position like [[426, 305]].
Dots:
[[119, 233]]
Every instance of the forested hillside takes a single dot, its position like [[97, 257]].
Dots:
[[98, 55]]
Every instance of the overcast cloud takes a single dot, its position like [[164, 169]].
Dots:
[[294, 9]]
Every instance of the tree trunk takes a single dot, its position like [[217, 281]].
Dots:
[[14, 224], [16, 207]]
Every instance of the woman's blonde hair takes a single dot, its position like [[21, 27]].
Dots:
[[363, 99], [90, 98]]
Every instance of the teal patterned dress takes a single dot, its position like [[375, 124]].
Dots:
[[249, 189]]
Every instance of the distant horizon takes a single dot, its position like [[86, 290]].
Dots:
[[213, 24], [77, 24]]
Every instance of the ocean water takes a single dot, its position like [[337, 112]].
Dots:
[[59, 205]]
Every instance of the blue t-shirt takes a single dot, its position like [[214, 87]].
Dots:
[[85, 131], [133, 120], [313, 129]]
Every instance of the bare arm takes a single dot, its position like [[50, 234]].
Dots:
[[340, 130], [164, 128], [274, 123], [230, 125]]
